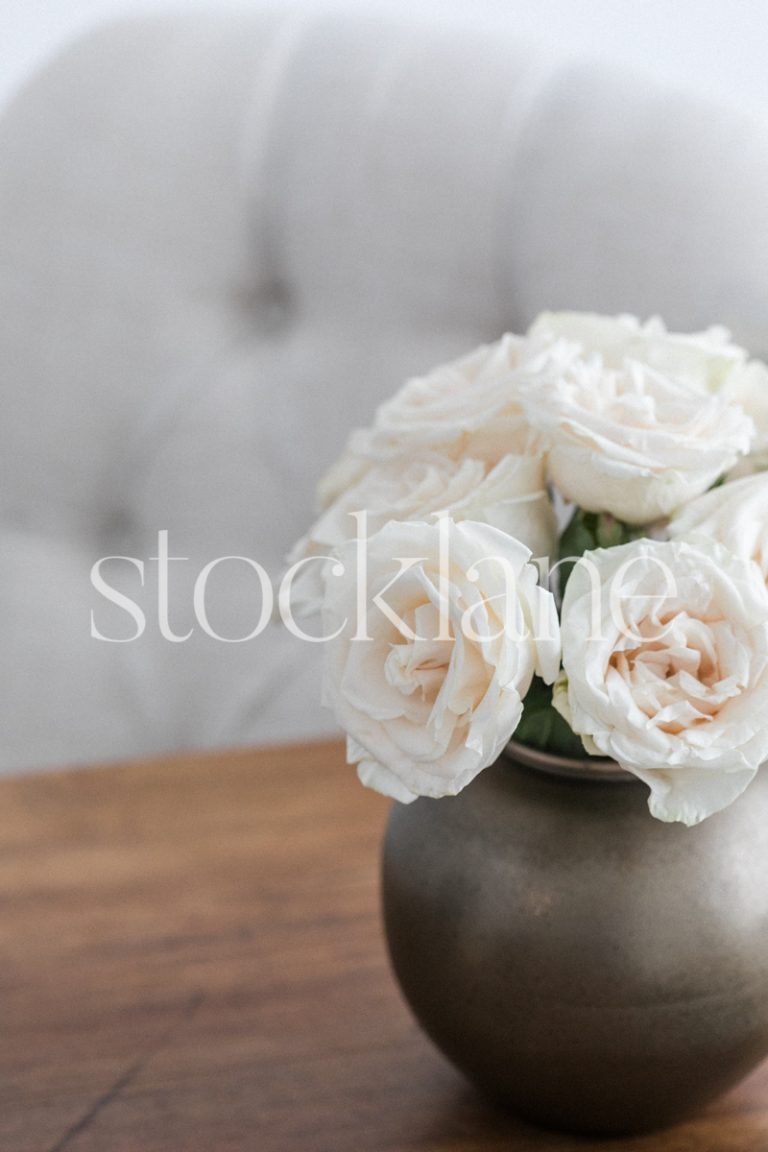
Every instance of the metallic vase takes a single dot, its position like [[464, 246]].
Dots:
[[597, 970]]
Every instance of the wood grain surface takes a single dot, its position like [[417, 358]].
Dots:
[[191, 961]]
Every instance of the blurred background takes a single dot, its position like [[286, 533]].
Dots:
[[712, 46], [227, 233]]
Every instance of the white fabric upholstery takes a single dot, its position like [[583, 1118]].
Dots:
[[223, 239]]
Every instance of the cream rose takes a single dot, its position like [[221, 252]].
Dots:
[[511, 496], [749, 388], [433, 692], [626, 413], [466, 408], [705, 360], [735, 515], [665, 651]]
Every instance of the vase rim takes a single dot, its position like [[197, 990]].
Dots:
[[596, 768]]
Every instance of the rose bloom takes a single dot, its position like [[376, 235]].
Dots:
[[466, 408], [705, 360], [635, 419], [435, 691], [665, 656], [510, 496], [749, 388], [735, 515]]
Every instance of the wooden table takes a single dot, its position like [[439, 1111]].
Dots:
[[192, 962]]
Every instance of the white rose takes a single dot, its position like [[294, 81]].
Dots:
[[735, 515], [432, 697], [749, 388], [705, 360], [630, 429], [511, 496], [665, 649], [468, 407]]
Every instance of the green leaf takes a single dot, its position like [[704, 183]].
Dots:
[[610, 532], [578, 538], [585, 532], [542, 727]]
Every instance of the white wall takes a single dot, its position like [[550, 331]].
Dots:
[[711, 45]]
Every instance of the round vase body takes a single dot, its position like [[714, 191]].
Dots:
[[597, 970]]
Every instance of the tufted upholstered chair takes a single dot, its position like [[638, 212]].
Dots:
[[224, 238]]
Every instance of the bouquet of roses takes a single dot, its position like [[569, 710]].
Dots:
[[561, 536]]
